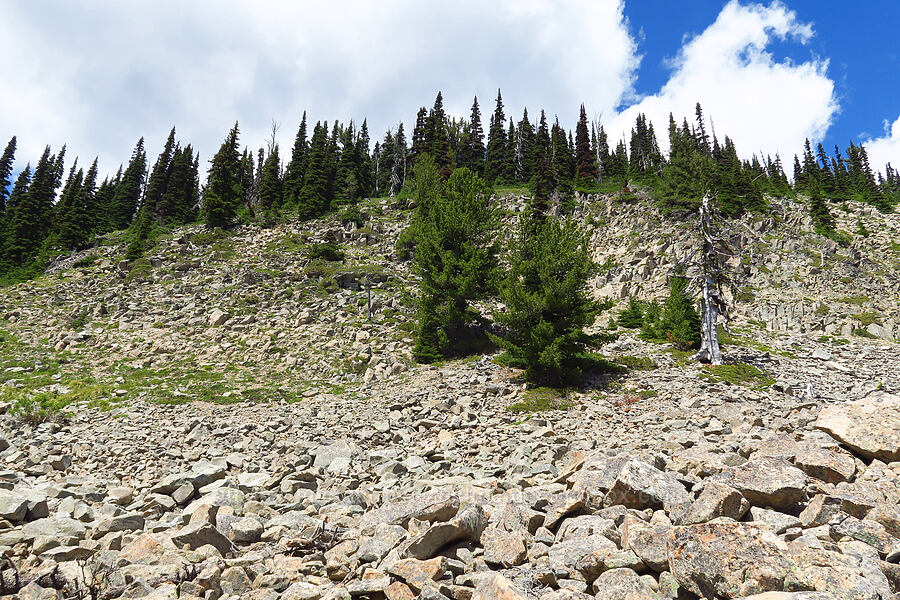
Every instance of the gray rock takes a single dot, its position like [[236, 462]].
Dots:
[[621, 584], [869, 426], [201, 534], [641, 486], [716, 500], [468, 525], [436, 506], [766, 482], [13, 507]]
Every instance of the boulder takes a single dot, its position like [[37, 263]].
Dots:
[[869, 426], [727, 559], [468, 525], [641, 486], [766, 482]]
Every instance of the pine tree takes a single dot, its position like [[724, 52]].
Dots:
[[29, 221], [270, 188], [128, 192], [455, 258], [509, 158], [182, 195], [586, 165], [473, 154], [525, 149], [158, 181], [495, 153], [439, 144], [702, 138], [421, 135], [604, 164], [223, 192], [365, 169], [398, 169], [810, 169], [312, 200], [347, 183], [6, 164], [823, 221], [562, 161], [296, 167], [69, 216], [547, 301]]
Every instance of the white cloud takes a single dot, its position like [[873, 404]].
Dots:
[[885, 149], [99, 75], [762, 104]]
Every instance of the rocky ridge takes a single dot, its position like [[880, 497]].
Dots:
[[377, 478]]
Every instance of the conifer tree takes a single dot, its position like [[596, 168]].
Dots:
[[701, 136], [438, 142], [223, 192], [810, 169], [128, 191], [473, 154], [561, 160], [547, 301], [158, 181], [455, 257], [270, 188], [398, 168], [823, 221], [525, 149], [365, 171], [347, 183], [6, 164], [296, 167], [602, 152], [312, 200], [586, 165], [509, 159], [182, 195], [29, 221], [421, 136], [495, 153]]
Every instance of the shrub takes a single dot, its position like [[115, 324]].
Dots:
[[678, 321], [633, 315], [41, 408], [352, 214], [326, 251]]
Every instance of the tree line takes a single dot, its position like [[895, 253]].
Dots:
[[47, 211]]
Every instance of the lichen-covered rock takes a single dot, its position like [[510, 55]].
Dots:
[[640, 486], [727, 559]]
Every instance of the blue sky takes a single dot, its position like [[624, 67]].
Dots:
[[768, 74], [859, 39]]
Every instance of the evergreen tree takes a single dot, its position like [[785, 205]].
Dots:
[[438, 142], [509, 159], [223, 192], [679, 322], [128, 191], [702, 138], [421, 135], [6, 164], [365, 169], [561, 160], [347, 184], [455, 258], [29, 221], [810, 169], [296, 167], [69, 216], [312, 200], [586, 165], [547, 301], [823, 221], [473, 153], [525, 149], [495, 153], [182, 195], [398, 168], [604, 164], [158, 181], [270, 188]]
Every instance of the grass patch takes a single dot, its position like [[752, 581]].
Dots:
[[540, 399], [84, 262], [868, 318], [292, 242], [205, 238], [326, 251], [854, 300], [863, 333], [738, 374], [141, 269], [511, 190]]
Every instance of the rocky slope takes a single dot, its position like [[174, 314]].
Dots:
[[240, 428]]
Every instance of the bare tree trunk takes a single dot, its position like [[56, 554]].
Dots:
[[709, 333], [711, 301]]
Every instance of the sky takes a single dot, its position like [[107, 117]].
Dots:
[[99, 74]]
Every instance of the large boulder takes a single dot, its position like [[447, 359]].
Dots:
[[869, 426], [766, 481], [727, 559], [439, 505], [641, 486]]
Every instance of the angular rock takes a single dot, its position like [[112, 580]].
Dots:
[[467, 525], [201, 534], [503, 547], [727, 559], [827, 465], [820, 510], [497, 587], [869, 426], [641, 486], [585, 555], [419, 573], [621, 584], [436, 506], [647, 541], [766, 482], [716, 500], [124, 522], [13, 507]]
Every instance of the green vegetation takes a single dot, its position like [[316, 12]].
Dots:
[[326, 251], [632, 317], [854, 300], [636, 363], [141, 269], [677, 322], [868, 318], [741, 374], [541, 399]]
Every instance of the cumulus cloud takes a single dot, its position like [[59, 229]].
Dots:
[[99, 75], [762, 104], [885, 149]]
